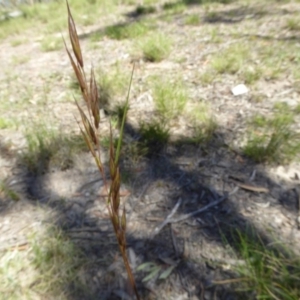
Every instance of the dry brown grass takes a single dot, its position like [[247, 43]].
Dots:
[[90, 126]]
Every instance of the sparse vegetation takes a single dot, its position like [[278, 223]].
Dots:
[[145, 10], [251, 74], [45, 266], [174, 7], [255, 44], [215, 37], [17, 42], [127, 31], [170, 97], [293, 24], [7, 192], [230, 60], [51, 44], [156, 47], [47, 16], [201, 119], [112, 87], [20, 60], [269, 272], [48, 149], [193, 19], [273, 139], [207, 77], [154, 136], [6, 123]]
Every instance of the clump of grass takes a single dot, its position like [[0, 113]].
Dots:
[[57, 260], [174, 7], [135, 150], [111, 87], [212, 16], [127, 31], [273, 139], [47, 148], [215, 36], [170, 97], [193, 19], [6, 191], [268, 273], [90, 130], [19, 60], [207, 77], [6, 123], [154, 136], [202, 121], [145, 10], [51, 44], [251, 74], [156, 47], [293, 24], [44, 268], [257, 97], [230, 60]]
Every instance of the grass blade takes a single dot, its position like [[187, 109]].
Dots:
[[123, 121]]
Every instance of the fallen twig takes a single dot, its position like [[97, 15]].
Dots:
[[19, 246], [189, 215], [167, 220], [252, 188]]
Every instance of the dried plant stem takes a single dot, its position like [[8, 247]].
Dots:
[[90, 130]]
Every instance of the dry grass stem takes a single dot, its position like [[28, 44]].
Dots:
[[90, 132]]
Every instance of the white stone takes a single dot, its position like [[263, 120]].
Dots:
[[240, 89]]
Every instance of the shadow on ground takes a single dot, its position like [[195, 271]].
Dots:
[[197, 174]]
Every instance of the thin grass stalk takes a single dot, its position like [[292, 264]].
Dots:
[[90, 132]]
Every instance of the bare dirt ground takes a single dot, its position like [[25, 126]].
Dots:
[[262, 197]]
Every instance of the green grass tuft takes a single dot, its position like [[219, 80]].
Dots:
[[231, 60], [154, 136], [273, 139], [145, 10], [293, 24], [156, 47], [7, 192], [251, 74], [45, 269], [6, 123], [170, 97], [268, 273], [112, 86], [200, 118], [127, 31], [193, 19], [174, 7]]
